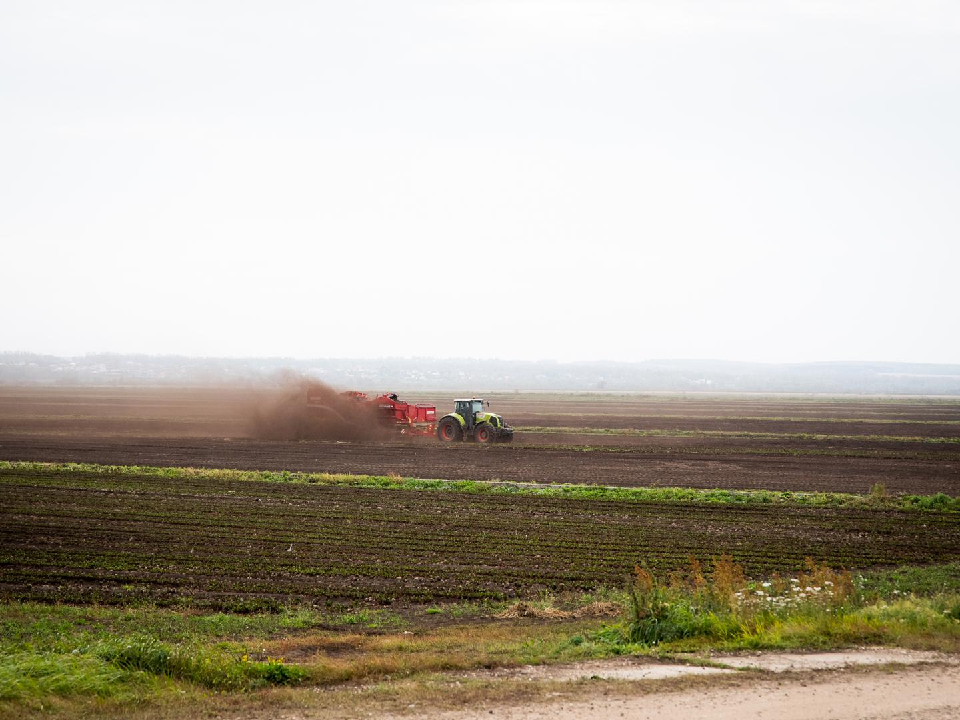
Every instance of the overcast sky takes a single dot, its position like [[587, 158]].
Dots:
[[770, 181]]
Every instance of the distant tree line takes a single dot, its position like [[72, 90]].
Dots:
[[473, 374]]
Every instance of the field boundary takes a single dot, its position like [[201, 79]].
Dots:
[[768, 418], [878, 500], [755, 435]]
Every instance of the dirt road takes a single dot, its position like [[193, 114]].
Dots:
[[921, 693]]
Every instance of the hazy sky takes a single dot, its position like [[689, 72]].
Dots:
[[773, 181]]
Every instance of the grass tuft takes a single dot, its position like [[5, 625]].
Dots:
[[26, 675], [203, 667]]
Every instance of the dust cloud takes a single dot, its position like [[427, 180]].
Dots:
[[311, 410]]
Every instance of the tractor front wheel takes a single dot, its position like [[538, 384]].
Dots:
[[449, 430]]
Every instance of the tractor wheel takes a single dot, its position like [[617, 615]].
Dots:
[[484, 433], [449, 430]]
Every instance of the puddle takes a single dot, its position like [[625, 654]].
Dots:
[[614, 670], [787, 662]]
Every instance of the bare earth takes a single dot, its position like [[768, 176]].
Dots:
[[737, 442], [922, 692], [637, 668], [843, 446]]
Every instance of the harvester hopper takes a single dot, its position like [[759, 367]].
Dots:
[[389, 410]]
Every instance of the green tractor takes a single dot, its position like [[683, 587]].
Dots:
[[469, 421]]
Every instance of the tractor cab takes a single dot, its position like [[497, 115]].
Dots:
[[468, 409]]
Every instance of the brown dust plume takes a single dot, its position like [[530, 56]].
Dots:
[[311, 410]]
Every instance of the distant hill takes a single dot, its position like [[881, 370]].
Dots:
[[474, 375]]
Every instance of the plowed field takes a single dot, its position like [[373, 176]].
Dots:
[[910, 446], [211, 542], [238, 544]]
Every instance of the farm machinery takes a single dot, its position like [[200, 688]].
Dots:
[[387, 409], [469, 421]]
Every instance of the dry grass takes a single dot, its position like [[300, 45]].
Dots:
[[337, 657], [593, 610]]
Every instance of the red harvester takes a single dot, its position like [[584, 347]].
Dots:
[[392, 412]]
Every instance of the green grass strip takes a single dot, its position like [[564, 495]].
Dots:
[[786, 451], [630, 432], [878, 499], [766, 418]]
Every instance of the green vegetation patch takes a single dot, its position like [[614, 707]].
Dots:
[[939, 502], [818, 607], [815, 437], [881, 453], [49, 650], [772, 418]]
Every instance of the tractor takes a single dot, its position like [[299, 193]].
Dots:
[[469, 421]]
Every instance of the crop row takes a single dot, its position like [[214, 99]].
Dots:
[[215, 540]]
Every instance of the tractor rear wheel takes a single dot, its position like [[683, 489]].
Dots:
[[449, 430], [484, 433]]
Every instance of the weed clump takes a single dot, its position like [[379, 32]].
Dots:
[[941, 501], [724, 604], [650, 618]]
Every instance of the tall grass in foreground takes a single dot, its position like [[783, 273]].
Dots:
[[818, 607], [217, 671], [124, 668], [125, 656]]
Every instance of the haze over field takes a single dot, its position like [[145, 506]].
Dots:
[[473, 375], [580, 181]]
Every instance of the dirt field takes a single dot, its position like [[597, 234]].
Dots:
[[88, 537], [910, 446], [94, 537]]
